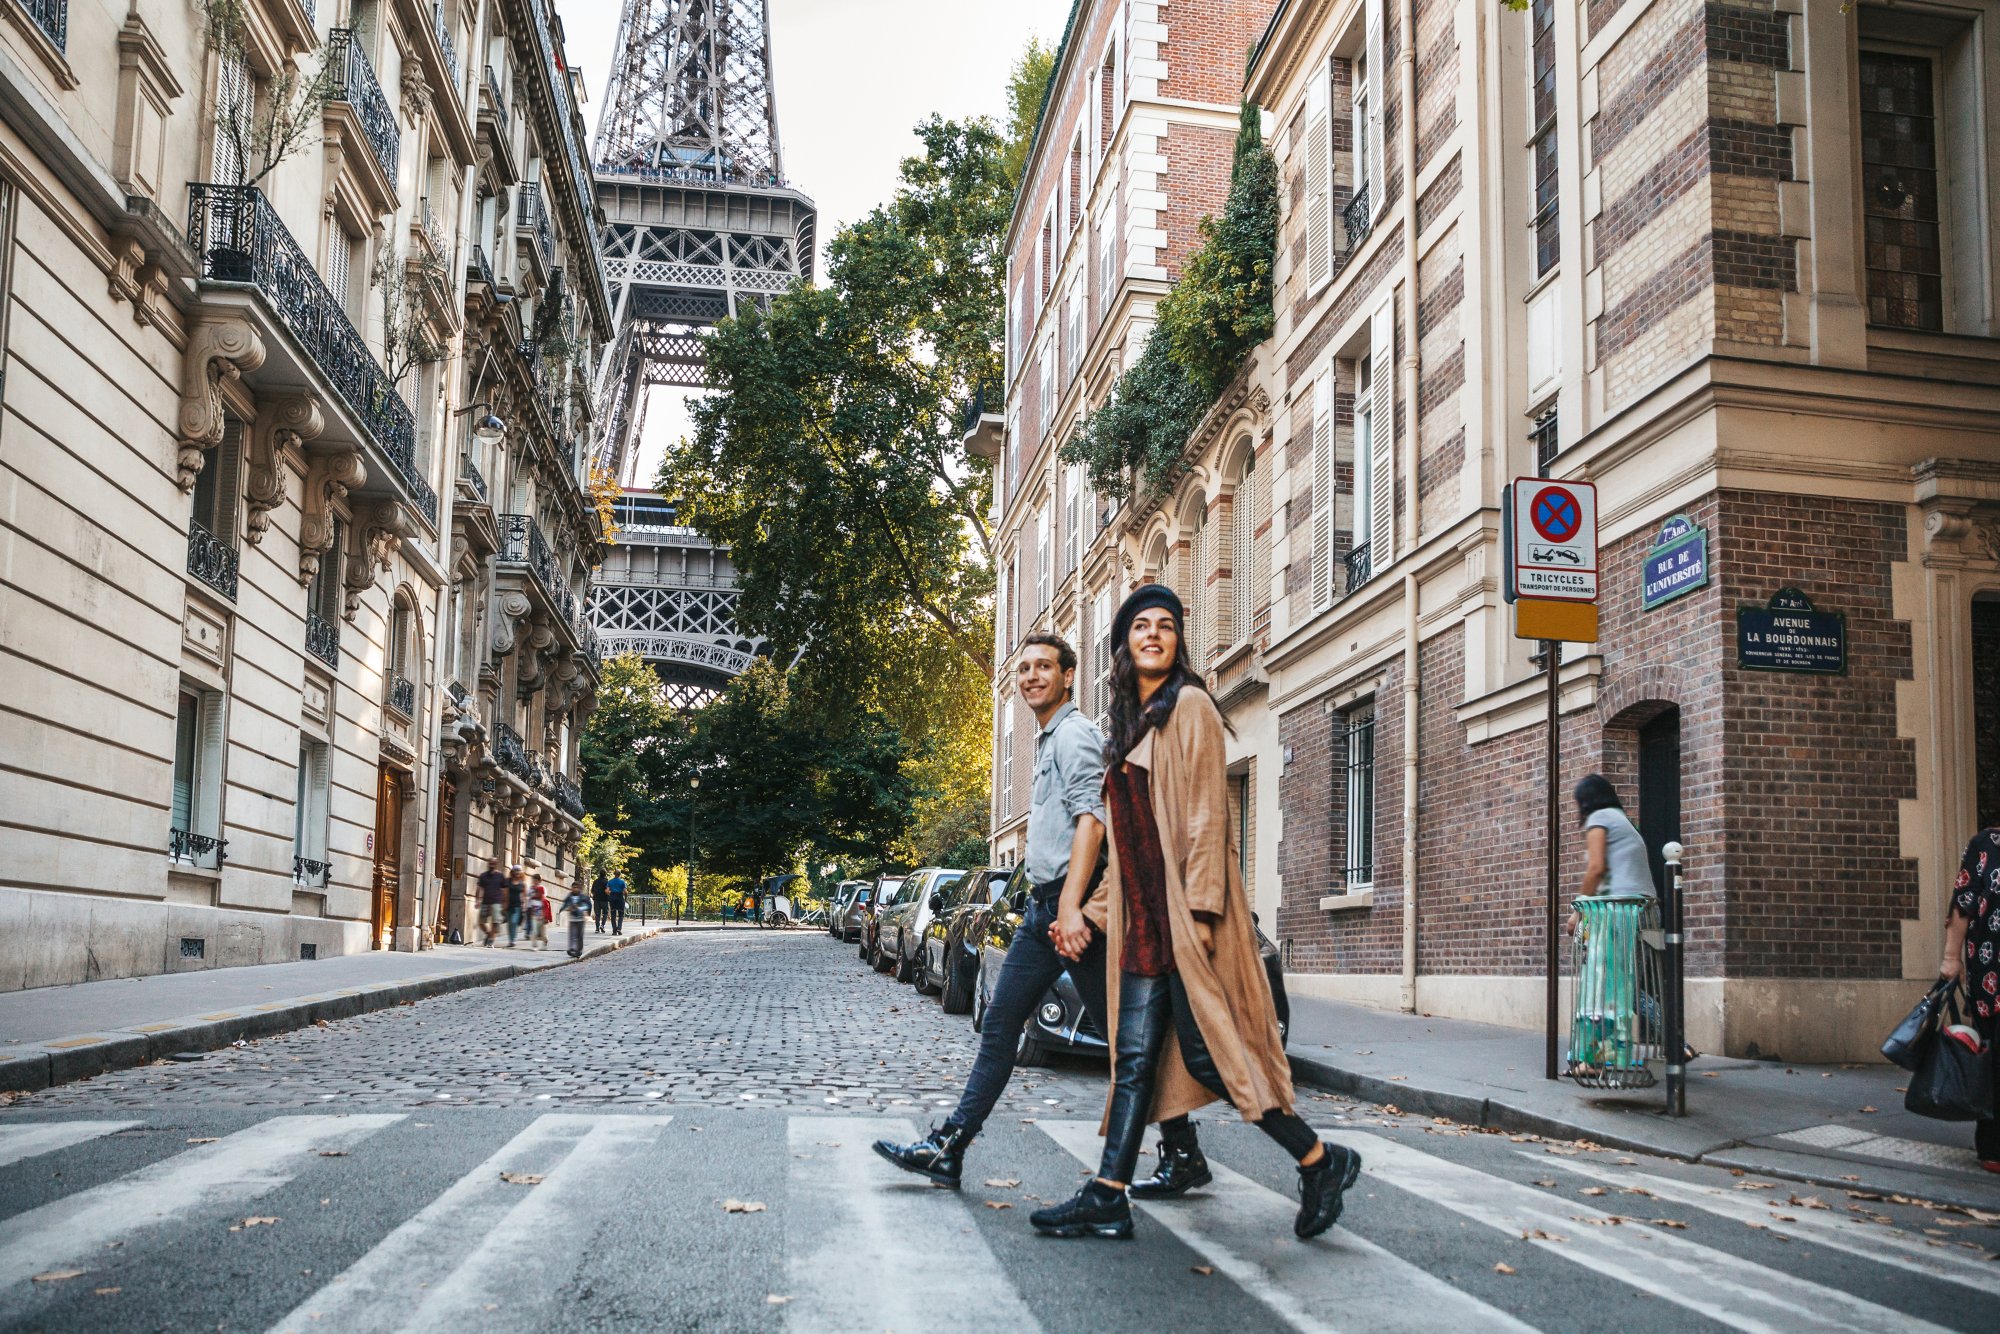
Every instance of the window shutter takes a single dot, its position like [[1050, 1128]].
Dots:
[[208, 768], [226, 458], [1319, 186], [187, 744], [1382, 447], [322, 786], [232, 97], [1242, 557], [1378, 97], [1073, 515], [1260, 558], [1322, 491]]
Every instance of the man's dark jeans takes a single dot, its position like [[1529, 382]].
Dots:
[[1032, 964], [617, 914]]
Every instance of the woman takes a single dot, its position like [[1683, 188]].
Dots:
[[1972, 954], [538, 913], [1614, 853], [1186, 983], [517, 895]]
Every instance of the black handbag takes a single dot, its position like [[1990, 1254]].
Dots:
[[1951, 1082], [1901, 1047]]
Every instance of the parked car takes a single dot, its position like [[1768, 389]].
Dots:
[[948, 960], [837, 905], [888, 893], [903, 928], [1060, 1023], [860, 906]]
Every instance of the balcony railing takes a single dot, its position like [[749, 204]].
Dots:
[[1360, 565], [533, 217], [212, 560], [569, 797], [323, 639], [509, 751], [310, 871], [52, 17], [354, 83], [499, 103], [477, 268], [1356, 217], [442, 30], [403, 696], [241, 239], [468, 472], [433, 227], [522, 543], [187, 849]]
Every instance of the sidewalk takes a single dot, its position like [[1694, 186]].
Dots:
[[52, 1035], [1838, 1126]]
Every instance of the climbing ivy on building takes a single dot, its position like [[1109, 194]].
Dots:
[[1208, 322]]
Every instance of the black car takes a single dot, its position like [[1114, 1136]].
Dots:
[[1060, 1023], [871, 913], [948, 955]]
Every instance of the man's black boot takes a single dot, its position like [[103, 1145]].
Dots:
[[937, 1155], [1182, 1168], [1321, 1187], [1095, 1211]]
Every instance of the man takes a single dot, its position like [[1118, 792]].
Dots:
[[517, 895], [600, 899], [492, 900], [1065, 845], [614, 890]]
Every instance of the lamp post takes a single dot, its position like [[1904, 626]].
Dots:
[[694, 786]]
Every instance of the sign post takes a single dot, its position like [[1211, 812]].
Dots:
[[1549, 529]]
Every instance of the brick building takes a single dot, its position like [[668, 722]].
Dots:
[[1728, 261]]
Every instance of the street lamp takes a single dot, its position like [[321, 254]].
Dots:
[[694, 786]]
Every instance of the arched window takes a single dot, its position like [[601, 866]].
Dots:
[[1243, 520], [399, 667], [1199, 594]]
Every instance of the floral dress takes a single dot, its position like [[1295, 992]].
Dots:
[[1976, 897]]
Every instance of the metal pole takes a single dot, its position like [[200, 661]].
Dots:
[[687, 894], [1675, 998], [1552, 652]]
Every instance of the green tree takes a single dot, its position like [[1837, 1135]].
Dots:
[[632, 763], [1027, 94]]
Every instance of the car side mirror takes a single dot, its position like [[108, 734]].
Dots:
[[937, 901]]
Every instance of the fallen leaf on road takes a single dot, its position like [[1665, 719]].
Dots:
[[58, 1275], [1862, 1195], [1753, 1223], [333, 1153], [1549, 1184], [1002, 1183], [1784, 1218], [259, 1221], [1503, 1268], [521, 1178], [1536, 1234], [1710, 1074], [998, 1204], [206, 1139], [1736, 1171], [1674, 1223], [1806, 1202], [742, 1207], [1593, 1190], [1203, 1270], [775, 1300], [1393, 1078], [1637, 1190], [1761, 1185], [1867, 1109], [106, 1292], [1392, 1109]]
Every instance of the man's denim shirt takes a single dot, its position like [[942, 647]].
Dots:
[[1069, 781]]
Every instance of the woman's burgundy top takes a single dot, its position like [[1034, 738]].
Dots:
[[1142, 871]]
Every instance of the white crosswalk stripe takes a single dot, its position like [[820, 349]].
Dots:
[[202, 1181], [1715, 1283], [853, 1224], [1870, 1241], [1338, 1281], [37, 1138], [397, 1285]]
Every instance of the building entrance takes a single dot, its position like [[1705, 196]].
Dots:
[[389, 789], [1660, 788]]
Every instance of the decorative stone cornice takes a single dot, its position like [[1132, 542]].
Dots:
[[331, 477], [285, 424], [217, 349], [373, 540]]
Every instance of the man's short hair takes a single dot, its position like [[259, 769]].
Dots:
[[1065, 655]]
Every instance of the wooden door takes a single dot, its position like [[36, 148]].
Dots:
[[388, 852], [446, 861]]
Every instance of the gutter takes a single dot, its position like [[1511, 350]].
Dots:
[[1406, 59]]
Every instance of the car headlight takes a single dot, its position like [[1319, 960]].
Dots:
[[1052, 1014]]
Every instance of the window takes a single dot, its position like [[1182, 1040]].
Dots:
[[1543, 436], [1201, 611], [1101, 661], [1240, 789], [1364, 451], [1042, 558], [1006, 756], [1360, 121], [1542, 143], [1013, 601], [1072, 516], [1075, 330], [194, 838], [323, 605], [309, 862], [1359, 738], [211, 555], [1242, 553], [1322, 491], [1899, 191], [235, 98], [1045, 372], [340, 266], [399, 669], [1107, 270], [1319, 182]]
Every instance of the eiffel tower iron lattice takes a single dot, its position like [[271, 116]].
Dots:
[[700, 222]]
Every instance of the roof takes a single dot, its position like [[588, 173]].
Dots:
[[1041, 113]]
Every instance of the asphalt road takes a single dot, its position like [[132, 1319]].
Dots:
[[561, 1152]]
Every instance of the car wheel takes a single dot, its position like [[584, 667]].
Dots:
[[876, 959], [906, 968], [864, 951], [922, 980], [1032, 1051], [979, 1000], [955, 993]]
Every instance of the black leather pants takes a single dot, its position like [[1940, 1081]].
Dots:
[[1146, 1007]]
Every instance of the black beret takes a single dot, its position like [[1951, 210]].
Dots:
[[1143, 598]]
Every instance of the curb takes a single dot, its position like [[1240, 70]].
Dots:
[[66, 1060]]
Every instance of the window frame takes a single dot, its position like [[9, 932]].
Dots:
[[1358, 814]]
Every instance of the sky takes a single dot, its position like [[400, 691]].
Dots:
[[853, 78]]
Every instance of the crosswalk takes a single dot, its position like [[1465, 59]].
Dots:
[[506, 1223]]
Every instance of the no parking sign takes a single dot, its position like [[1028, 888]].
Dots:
[[1553, 540]]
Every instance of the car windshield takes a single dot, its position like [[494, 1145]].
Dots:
[[953, 885]]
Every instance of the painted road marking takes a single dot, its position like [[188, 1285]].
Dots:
[[30, 1141]]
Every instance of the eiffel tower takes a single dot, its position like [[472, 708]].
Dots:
[[700, 221]]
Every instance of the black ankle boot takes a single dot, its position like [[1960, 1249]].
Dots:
[[1095, 1211], [1180, 1171], [937, 1155], [1321, 1187]]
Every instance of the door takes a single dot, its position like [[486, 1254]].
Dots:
[[389, 791], [447, 866], [1660, 789]]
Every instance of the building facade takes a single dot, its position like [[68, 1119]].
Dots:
[[1729, 262], [268, 675]]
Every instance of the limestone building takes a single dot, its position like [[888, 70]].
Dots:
[[300, 305], [1729, 262]]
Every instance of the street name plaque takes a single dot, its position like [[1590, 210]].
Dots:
[[1790, 636], [1677, 565]]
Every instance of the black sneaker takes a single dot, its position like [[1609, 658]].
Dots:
[[1321, 1187], [1181, 1170], [937, 1155], [1095, 1211]]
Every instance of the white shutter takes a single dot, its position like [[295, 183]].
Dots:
[[1378, 97], [1260, 549], [207, 818], [1102, 624], [187, 751], [1006, 757], [1242, 556], [1319, 185], [1073, 516], [1322, 491], [232, 96], [227, 460], [1382, 448]]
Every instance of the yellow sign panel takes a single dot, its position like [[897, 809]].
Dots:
[[1542, 618]]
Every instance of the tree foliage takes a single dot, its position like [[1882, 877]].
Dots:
[[1027, 94]]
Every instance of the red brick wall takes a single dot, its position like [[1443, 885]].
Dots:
[[1208, 43], [1197, 182]]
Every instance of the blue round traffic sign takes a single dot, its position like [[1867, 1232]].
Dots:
[[1556, 515]]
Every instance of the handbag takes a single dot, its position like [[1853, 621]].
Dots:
[[1952, 1082], [1901, 1046]]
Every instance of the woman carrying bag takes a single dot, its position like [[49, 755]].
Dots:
[[1972, 954], [1192, 1006]]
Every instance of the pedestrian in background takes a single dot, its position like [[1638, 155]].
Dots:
[[614, 893], [600, 899], [1972, 956], [538, 914], [1181, 952], [492, 900], [576, 907], [517, 894]]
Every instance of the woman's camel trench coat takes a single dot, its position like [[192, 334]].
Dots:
[[1220, 964]]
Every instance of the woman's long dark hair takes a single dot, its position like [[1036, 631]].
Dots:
[[1129, 721], [1595, 794]]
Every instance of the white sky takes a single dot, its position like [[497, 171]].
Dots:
[[854, 77]]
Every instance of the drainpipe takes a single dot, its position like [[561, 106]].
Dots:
[[1406, 90]]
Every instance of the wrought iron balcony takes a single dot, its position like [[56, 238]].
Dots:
[[1356, 217], [354, 83], [461, 698], [212, 560], [187, 848], [477, 269], [241, 239], [52, 17], [403, 696], [499, 103], [468, 472], [1360, 565], [509, 751], [569, 797], [533, 218], [311, 871], [433, 228], [442, 30], [323, 639]]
